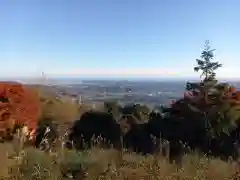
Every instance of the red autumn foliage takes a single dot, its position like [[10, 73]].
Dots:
[[233, 95], [232, 89], [18, 105], [236, 95]]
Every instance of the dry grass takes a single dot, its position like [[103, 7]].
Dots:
[[33, 164], [107, 164]]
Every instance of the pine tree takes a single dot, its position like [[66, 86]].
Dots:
[[211, 97], [207, 68], [206, 65]]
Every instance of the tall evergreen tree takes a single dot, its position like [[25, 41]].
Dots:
[[221, 115], [207, 68], [206, 65]]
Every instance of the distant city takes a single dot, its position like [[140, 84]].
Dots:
[[153, 93]]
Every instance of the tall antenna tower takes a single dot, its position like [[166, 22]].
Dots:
[[44, 79], [79, 99]]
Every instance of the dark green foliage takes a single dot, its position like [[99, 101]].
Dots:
[[113, 107], [140, 112], [207, 68], [206, 65]]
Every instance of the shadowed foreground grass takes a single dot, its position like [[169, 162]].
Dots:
[[107, 164]]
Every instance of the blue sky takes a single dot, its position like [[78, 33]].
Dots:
[[143, 38]]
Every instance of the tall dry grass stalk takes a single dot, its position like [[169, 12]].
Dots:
[[99, 163]]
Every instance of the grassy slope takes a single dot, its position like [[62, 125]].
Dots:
[[95, 163]]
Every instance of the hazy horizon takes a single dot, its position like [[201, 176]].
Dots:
[[87, 78]]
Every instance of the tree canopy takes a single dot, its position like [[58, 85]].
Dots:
[[216, 100]]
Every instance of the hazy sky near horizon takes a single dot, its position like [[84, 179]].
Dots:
[[153, 38]]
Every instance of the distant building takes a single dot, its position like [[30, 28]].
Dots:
[[79, 99]]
